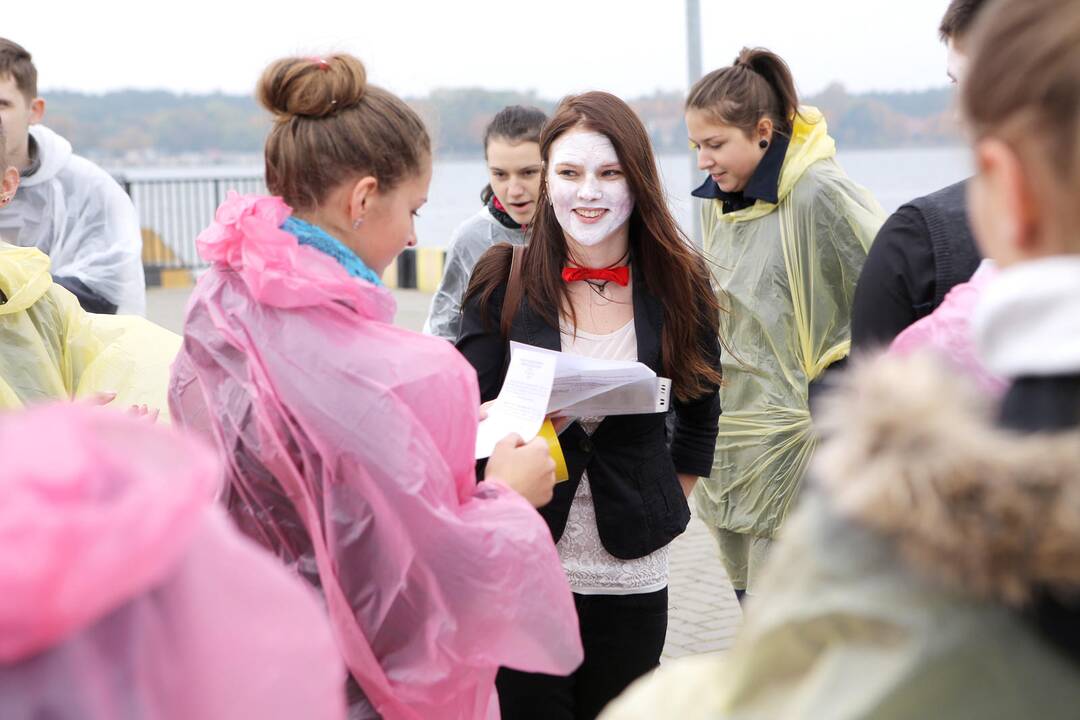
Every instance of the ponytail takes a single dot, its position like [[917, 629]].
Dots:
[[757, 85]]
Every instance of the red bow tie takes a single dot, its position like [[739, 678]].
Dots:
[[618, 275]]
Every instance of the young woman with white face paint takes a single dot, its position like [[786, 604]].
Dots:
[[786, 233], [607, 274], [512, 153]]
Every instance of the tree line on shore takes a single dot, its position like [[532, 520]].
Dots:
[[133, 123]]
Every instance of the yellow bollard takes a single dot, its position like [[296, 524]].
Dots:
[[390, 275], [429, 268], [176, 278]]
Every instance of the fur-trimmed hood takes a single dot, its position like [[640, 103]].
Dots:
[[912, 452]]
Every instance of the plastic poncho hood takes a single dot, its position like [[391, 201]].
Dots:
[[50, 349], [75, 213], [350, 448], [124, 593], [810, 143], [786, 275]]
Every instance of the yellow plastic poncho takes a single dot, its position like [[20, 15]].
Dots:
[[786, 275], [51, 349]]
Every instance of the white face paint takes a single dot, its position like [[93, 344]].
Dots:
[[589, 192]]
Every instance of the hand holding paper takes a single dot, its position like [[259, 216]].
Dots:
[[520, 405], [540, 382], [528, 469]]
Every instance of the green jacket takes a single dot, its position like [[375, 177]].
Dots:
[[897, 589]]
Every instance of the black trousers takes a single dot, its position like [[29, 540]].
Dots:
[[623, 636]]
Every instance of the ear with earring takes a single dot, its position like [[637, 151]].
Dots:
[[763, 144], [357, 223], [5, 198]]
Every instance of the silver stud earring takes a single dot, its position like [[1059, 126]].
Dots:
[[357, 223]]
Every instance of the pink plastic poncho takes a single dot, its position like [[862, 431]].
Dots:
[[947, 331], [350, 448], [126, 594]]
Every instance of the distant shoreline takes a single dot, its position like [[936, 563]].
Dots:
[[211, 166], [140, 128]]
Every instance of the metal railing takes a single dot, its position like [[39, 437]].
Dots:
[[174, 209]]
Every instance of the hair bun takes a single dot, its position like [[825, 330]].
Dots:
[[312, 87]]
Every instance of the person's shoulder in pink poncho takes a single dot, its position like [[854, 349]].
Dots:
[[126, 595], [349, 441], [946, 332]]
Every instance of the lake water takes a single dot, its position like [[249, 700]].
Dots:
[[894, 176]]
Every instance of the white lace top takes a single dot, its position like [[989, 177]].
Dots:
[[590, 568]]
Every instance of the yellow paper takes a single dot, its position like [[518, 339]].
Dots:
[[547, 431]]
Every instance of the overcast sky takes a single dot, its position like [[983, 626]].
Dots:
[[629, 47]]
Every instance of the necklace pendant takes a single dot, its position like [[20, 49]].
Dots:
[[601, 298], [598, 287]]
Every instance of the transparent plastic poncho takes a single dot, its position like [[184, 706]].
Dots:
[[786, 276], [79, 216], [350, 450], [51, 349], [471, 240]]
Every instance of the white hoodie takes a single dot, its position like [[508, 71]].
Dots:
[[75, 212]]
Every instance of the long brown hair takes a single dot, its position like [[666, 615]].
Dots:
[[673, 270]]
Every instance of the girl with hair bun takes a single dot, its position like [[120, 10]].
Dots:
[[786, 232], [349, 442], [512, 154]]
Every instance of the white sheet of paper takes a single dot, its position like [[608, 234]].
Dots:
[[522, 402], [578, 379], [652, 395]]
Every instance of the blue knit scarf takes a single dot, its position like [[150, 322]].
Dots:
[[322, 241]]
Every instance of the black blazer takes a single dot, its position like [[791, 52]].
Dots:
[[639, 502]]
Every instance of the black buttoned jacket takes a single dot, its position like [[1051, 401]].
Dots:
[[632, 468]]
